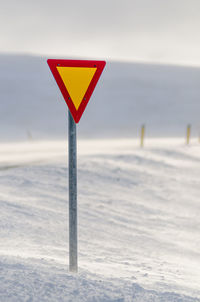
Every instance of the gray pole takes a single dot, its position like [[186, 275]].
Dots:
[[73, 265]]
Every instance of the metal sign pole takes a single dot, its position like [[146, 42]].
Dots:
[[73, 254], [80, 78]]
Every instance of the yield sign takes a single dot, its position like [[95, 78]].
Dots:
[[77, 80]]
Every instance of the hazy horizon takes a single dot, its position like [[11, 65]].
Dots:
[[124, 61], [134, 31]]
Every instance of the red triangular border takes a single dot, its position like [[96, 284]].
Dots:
[[53, 63]]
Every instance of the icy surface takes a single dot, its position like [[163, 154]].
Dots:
[[138, 221]]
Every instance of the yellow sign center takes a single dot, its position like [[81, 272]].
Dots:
[[76, 81]]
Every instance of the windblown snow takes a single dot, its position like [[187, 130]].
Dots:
[[138, 208]]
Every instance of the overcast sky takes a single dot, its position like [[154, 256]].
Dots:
[[133, 30]]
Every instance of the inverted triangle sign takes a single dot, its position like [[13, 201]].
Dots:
[[77, 80]]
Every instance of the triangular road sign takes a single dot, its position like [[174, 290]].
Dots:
[[77, 80]]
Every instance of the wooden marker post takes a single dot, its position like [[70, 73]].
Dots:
[[188, 134], [142, 136]]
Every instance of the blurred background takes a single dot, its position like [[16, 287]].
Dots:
[[152, 76]]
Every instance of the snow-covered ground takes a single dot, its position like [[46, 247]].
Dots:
[[165, 98], [138, 221], [138, 208]]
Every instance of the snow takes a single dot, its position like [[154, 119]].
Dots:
[[138, 221], [165, 98], [138, 208]]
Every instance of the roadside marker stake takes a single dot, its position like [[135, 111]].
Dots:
[[188, 134], [77, 80], [142, 136]]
